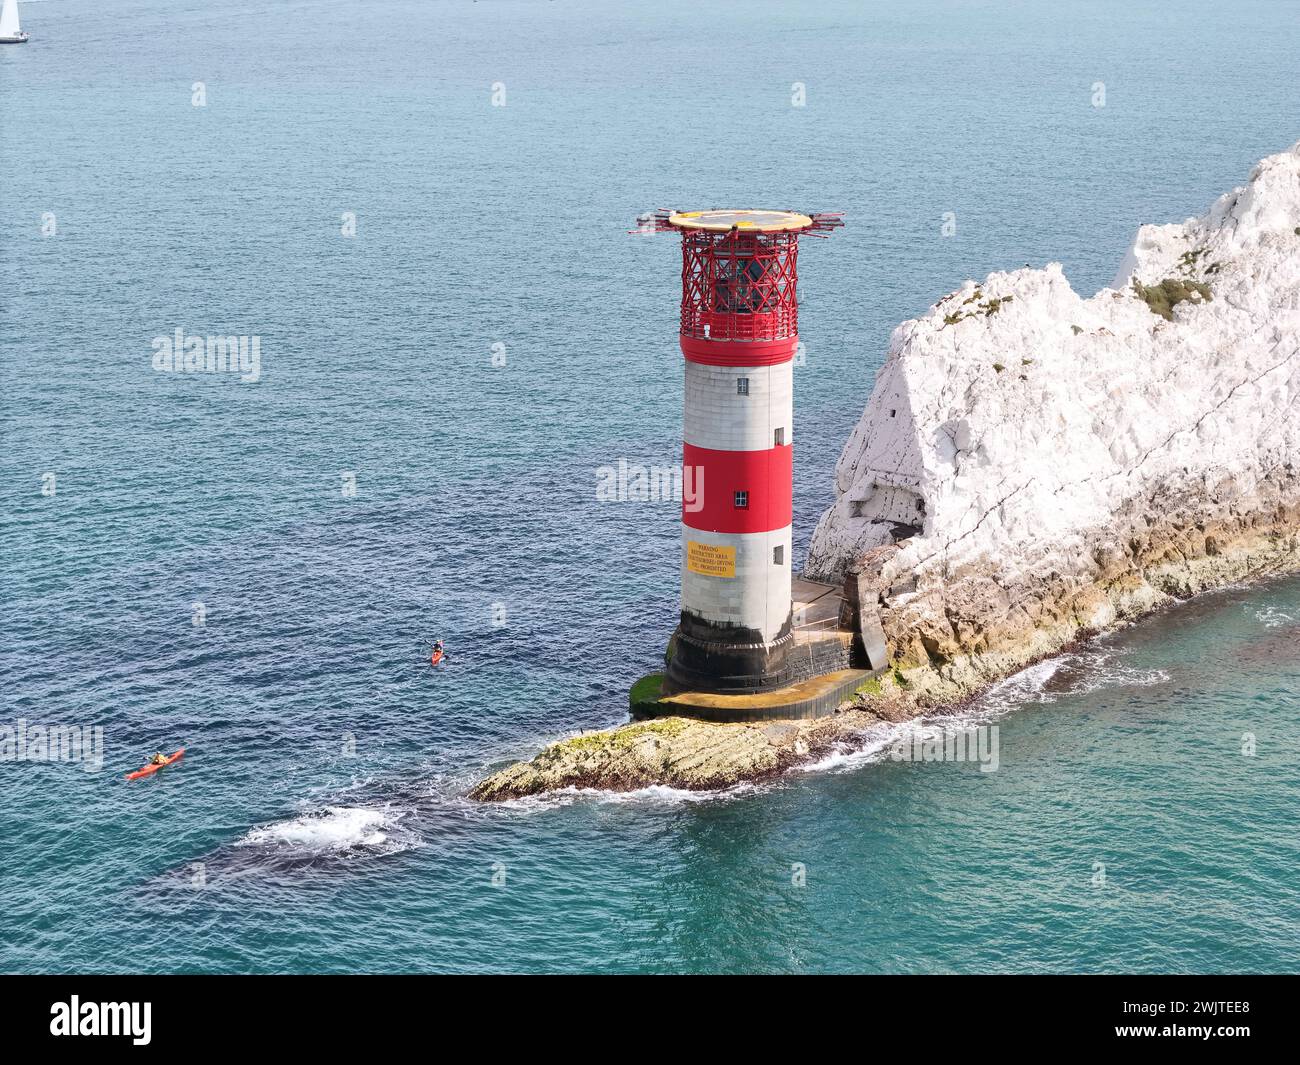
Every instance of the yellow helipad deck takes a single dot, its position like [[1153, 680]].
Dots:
[[755, 221]]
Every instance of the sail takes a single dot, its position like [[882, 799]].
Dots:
[[9, 19]]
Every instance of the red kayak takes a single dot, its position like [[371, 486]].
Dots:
[[152, 768], [435, 658]]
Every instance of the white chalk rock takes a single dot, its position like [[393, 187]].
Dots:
[[1014, 421]]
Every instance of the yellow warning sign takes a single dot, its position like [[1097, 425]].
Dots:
[[713, 560]]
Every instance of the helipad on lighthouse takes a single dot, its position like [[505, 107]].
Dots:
[[744, 646]]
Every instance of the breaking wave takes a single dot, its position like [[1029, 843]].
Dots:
[[1071, 674], [1074, 673], [336, 830], [1272, 618], [653, 795]]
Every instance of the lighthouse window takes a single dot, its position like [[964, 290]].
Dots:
[[742, 386], [742, 500], [778, 555], [780, 437], [741, 287]]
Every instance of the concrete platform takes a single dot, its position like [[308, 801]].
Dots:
[[810, 698], [815, 606]]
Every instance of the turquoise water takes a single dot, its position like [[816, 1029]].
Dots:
[[316, 823]]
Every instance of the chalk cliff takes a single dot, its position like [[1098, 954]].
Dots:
[[1032, 463], [1031, 466]]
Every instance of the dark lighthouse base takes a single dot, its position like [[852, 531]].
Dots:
[[705, 656], [808, 671]]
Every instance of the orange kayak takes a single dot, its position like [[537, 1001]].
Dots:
[[149, 770], [435, 658]]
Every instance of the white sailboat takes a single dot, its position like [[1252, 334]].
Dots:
[[10, 31]]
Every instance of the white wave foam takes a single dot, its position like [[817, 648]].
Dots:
[[872, 746], [1073, 673], [1027, 686], [654, 794], [1118, 675], [335, 829], [1273, 618]]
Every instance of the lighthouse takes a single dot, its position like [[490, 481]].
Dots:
[[739, 334]]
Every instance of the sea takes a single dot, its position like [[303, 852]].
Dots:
[[416, 216]]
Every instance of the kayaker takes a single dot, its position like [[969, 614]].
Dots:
[[158, 759]]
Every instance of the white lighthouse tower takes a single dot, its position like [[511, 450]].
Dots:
[[739, 333]]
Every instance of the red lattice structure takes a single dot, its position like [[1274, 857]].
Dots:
[[740, 271]]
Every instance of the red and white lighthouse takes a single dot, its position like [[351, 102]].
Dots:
[[739, 334]]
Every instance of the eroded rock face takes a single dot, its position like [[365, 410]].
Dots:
[[1031, 463]]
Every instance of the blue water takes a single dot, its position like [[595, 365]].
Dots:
[[475, 514]]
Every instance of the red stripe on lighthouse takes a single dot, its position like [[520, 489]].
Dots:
[[767, 476], [739, 352]]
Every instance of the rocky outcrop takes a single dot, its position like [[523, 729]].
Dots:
[[682, 753], [1032, 464]]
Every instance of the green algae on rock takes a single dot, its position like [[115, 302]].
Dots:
[[693, 755]]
